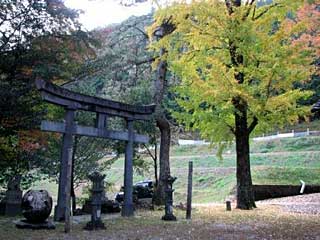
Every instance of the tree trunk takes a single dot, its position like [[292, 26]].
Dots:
[[163, 125], [162, 122], [165, 137], [245, 195]]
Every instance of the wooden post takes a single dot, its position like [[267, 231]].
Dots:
[[228, 205], [189, 196], [67, 158], [65, 169], [67, 221], [127, 209]]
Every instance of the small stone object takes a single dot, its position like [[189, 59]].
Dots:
[[36, 206], [169, 200], [228, 205], [96, 201]]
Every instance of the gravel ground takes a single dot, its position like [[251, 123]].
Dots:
[[306, 204], [276, 219]]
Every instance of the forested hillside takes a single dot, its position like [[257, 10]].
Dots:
[[115, 62]]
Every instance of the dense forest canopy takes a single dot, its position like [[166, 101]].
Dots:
[[38, 39]]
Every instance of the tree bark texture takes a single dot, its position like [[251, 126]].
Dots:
[[164, 162], [245, 195], [165, 136], [161, 121]]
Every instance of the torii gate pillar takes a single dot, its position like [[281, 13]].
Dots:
[[127, 208], [65, 166]]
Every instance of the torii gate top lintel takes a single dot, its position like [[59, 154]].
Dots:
[[66, 98]]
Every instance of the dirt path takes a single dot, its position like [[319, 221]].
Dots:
[[306, 204]]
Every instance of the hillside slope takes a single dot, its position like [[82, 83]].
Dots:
[[281, 161]]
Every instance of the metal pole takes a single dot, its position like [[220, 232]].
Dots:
[[189, 196], [127, 209]]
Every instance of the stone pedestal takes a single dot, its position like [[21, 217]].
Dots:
[[13, 202], [107, 206], [24, 224]]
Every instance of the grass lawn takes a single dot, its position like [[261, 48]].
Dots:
[[281, 161], [284, 161], [265, 222]]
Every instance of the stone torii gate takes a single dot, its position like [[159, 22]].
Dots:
[[104, 109]]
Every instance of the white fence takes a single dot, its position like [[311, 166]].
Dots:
[[288, 135], [192, 142], [263, 138]]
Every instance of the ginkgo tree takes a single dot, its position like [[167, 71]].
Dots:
[[238, 68]]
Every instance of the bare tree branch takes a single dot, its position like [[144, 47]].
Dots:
[[266, 10], [231, 129], [248, 3], [253, 124], [149, 152]]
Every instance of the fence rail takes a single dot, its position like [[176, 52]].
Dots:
[[262, 138]]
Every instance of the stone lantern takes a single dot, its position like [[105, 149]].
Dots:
[[96, 201], [168, 216]]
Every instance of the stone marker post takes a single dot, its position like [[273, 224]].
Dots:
[[96, 201], [189, 196], [13, 197], [228, 205], [169, 200]]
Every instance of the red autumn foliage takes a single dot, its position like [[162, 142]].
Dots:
[[310, 15], [32, 140]]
